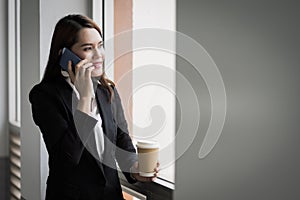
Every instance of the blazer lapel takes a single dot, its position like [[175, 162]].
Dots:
[[108, 125], [105, 111]]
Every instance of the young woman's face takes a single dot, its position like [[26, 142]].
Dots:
[[90, 47]]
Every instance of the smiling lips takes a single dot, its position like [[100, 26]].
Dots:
[[98, 64]]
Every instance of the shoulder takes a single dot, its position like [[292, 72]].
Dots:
[[41, 88], [44, 90], [39, 93]]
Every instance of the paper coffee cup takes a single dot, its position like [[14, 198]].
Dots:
[[147, 155]]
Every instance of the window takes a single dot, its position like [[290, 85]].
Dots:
[[145, 76], [14, 109], [14, 62], [143, 71], [154, 77]]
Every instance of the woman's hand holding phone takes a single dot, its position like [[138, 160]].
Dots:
[[83, 82]]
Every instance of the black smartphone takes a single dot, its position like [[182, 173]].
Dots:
[[67, 55]]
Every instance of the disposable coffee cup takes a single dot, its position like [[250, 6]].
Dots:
[[147, 156]]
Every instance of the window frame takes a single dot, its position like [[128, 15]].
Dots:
[[14, 76], [98, 15]]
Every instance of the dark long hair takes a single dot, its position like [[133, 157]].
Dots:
[[66, 35]]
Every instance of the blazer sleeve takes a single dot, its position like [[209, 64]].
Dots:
[[125, 153], [62, 138]]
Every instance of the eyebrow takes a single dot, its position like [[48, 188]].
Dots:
[[90, 44]]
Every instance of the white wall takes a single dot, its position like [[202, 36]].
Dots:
[[38, 19], [3, 80]]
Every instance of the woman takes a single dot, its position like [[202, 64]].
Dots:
[[84, 130]]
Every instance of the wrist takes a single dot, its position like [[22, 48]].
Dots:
[[86, 98], [85, 104]]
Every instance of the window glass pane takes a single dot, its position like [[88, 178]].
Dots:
[[144, 75], [154, 77]]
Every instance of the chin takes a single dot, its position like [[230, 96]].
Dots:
[[96, 73]]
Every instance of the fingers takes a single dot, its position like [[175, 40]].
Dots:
[[147, 179], [142, 178], [88, 70], [82, 66], [82, 79], [79, 66], [156, 169]]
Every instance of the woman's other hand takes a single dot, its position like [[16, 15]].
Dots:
[[135, 173]]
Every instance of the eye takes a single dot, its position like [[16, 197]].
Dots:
[[87, 48], [100, 46]]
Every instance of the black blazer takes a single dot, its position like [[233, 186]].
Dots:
[[74, 173]]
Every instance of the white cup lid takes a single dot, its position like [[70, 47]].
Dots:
[[147, 144]]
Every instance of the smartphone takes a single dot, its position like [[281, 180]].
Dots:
[[67, 55]]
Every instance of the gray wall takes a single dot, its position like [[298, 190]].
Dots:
[[29, 62], [255, 44], [3, 80]]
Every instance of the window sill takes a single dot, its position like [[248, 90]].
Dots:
[[158, 190]]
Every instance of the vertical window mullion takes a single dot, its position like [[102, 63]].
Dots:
[[18, 67], [11, 61], [14, 90]]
